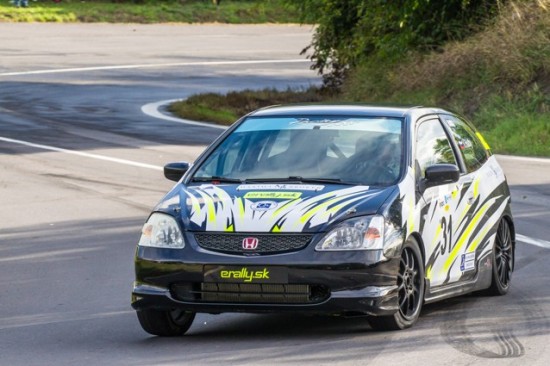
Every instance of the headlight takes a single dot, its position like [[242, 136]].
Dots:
[[161, 231], [361, 233]]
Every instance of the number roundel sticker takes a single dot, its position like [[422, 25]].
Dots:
[[264, 205]]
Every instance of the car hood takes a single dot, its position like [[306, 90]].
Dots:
[[271, 208]]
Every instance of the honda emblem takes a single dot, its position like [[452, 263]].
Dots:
[[250, 243]]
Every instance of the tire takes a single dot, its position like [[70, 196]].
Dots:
[[503, 260], [165, 323], [411, 285]]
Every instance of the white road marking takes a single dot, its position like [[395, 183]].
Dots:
[[144, 66], [83, 154], [49, 254], [53, 318], [536, 242], [152, 109], [531, 214], [523, 158]]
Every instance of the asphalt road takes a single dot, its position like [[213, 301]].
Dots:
[[71, 209]]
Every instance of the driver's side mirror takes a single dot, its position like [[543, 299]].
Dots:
[[439, 174], [174, 171]]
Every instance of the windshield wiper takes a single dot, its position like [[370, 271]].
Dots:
[[297, 179], [216, 179], [300, 180]]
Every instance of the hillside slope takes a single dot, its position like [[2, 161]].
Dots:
[[499, 78]]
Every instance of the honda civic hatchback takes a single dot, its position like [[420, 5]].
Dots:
[[340, 210]]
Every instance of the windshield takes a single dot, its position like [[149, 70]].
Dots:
[[353, 150]]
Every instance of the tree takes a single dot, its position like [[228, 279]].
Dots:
[[350, 31]]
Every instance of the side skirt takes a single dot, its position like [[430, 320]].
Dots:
[[481, 281]]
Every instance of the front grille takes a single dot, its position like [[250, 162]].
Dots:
[[267, 243], [252, 293]]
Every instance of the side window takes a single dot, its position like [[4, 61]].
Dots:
[[432, 147], [472, 149]]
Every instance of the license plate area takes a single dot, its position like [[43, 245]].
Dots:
[[245, 274]]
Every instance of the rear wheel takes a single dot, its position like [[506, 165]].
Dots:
[[503, 260], [165, 323], [410, 285]]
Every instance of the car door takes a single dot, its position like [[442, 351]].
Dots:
[[440, 211], [474, 218]]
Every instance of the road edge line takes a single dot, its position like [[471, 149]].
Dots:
[[83, 154], [532, 241], [151, 66], [524, 158]]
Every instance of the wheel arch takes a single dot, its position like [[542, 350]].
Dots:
[[510, 221], [418, 238], [512, 227]]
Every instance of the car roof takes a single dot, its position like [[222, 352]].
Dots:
[[345, 110]]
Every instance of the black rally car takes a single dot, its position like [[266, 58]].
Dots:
[[327, 209]]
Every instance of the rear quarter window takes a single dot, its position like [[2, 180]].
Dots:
[[470, 146]]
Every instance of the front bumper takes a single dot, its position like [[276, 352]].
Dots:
[[340, 283], [372, 300]]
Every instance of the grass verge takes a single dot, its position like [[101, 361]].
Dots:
[[227, 108], [182, 11]]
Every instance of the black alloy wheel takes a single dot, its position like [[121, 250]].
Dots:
[[408, 284], [503, 260], [410, 289]]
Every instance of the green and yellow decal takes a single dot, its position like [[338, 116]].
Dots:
[[213, 208]]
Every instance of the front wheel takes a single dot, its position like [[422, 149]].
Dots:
[[165, 323], [410, 287]]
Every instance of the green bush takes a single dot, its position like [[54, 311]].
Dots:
[[350, 31]]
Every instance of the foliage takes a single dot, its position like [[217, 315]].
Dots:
[[499, 78], [349, 31], [509, 59], [516, 126]]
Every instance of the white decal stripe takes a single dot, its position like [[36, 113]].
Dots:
[[491, 222], [532, 241], [215, 207]]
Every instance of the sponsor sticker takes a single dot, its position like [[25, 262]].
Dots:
[[287, 187], [237, 274], [263, 205], [445, 200], [323, 122], [272, 195], [467, 261]]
